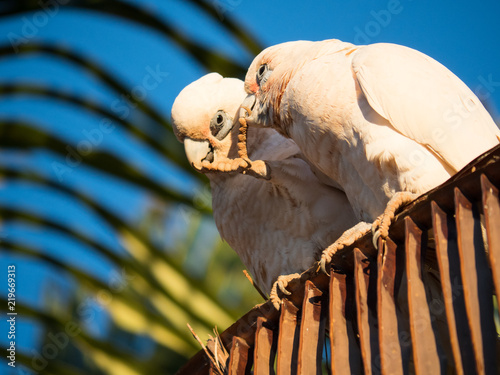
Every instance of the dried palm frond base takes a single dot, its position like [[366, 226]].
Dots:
[[215, 351], [423, 302]]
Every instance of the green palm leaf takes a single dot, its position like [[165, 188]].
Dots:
[[22, 135], [212, 60], [165, 286]]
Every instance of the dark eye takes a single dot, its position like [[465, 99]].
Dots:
[[219, 120], [220, 125], [261, 72]]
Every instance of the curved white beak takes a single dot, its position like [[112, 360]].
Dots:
[[196, 151]]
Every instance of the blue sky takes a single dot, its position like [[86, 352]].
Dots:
[[463, 35]]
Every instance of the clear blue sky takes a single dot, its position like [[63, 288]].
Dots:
[[463, 35]]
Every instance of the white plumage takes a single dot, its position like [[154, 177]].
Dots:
[[277, 226], [376, 119]]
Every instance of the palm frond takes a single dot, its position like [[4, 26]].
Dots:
[[210, 59], [24, 135], [160, 293], [165, 144]]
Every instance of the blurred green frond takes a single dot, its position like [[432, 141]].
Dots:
[[212, 60], [172, 268], [19, 135], [163, 144]]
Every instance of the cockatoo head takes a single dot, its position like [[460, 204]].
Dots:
[[267, 79], [204, 116], [269, 75]]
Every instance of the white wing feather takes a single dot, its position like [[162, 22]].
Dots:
[[424, 101]]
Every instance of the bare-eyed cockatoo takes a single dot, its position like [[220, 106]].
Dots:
[[377, 119], [278, 225]]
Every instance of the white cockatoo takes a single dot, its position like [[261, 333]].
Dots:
[[377, 120], [278, 225]]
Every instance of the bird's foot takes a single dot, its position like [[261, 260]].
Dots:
[[256, 168], [242, 164], [281, 284], [347, 239], [242, 136], [380, 227], [224, 165]]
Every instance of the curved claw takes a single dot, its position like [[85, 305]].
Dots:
[[323, 262], [376, 236], [380, 227], [281, 283], [247, 110], [282, 287], [376, 231]]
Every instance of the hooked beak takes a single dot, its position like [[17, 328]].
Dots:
[[197, 151]]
